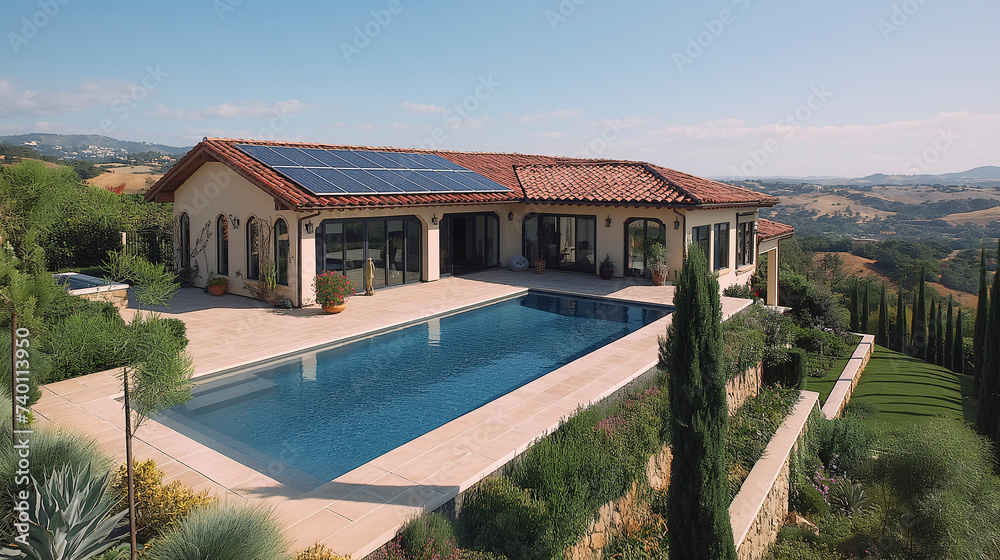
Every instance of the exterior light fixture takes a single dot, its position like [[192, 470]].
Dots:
[[434, 220], [309, 227], [607, 221], [677, 224], [234, 221], [510, 216]]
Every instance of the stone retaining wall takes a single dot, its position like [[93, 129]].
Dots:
[[849, 378], [118, 298], [743, 387]]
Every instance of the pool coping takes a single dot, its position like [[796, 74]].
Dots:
[[357, 512]]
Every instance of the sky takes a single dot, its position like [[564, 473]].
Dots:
[[722, 88]]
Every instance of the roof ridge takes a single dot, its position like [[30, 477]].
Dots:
[[654, 169]]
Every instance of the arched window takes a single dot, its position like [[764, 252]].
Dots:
[[222, 237], [281, 250], [185, 241], [253, 249]]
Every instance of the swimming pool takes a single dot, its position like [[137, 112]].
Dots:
[[308, 419]]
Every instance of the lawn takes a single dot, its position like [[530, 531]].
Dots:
[[906, 390], [824, 385]]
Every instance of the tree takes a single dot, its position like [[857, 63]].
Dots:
[[958, 359], [949, 337], [939, 335], [930, 355], [698, 503], [159, 370], [911, 348], [919, 331], [865, 319], [979, 335], [855, 321], [882, 334], [899, 338], [989, 407]]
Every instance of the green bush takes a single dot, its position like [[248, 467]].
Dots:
[[223, 531], [797, 549], [499, 516], [793, 533], [428, 537], [157, 505], [813, 306], [176, 328], [785, 367], [753, 425], [807, 500], [740, 291], [39, 369], [822, 342], [121, 552], [860, 409], [846, 445], [84, 344]]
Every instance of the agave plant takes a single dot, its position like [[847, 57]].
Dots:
[[70, 516], [849, 497]]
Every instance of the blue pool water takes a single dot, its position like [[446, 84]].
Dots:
[[307, 420]]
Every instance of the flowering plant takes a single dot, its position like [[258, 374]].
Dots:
[[332, 289]]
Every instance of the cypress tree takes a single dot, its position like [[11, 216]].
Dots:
[[898, 341], [855, 323], [949, 337], [882, 334], [911, 349], [989, 407], [931, 354], [866, 313], [958, 357], [979, 335], [698, 503], [919, 333], [939, 335]]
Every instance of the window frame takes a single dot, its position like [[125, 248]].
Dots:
[[720, 245], [281, 271], [746, 228], [222, 245], [253, 248], [704, 244], [185, 241]]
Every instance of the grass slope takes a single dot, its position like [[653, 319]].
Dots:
[[906, 390], [824, 385]]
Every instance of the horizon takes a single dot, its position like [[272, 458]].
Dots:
[[730, 89]]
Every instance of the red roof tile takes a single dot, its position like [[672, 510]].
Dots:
[[769, 229], [530, 177]]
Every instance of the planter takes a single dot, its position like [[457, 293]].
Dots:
[[218, 289], [539, 265], [607, 272], [335, 308], [659, 277]]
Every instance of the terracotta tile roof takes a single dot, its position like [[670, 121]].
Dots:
[[769, 229], [530, 178]]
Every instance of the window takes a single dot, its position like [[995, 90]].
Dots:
[[640, 235], [185, 245], [722, 245], [281, 250], [392, 243], [253, 249], [744, 241], [565, 242], [699, 237], [222, 240]]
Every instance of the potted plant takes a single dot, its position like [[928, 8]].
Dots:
[[332, 291], [607, 267], [546, 233], [656, 262], [217, 285]]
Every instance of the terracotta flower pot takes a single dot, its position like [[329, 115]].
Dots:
[[218, 289], [659, 277], [607, 272], [539, 265], [335, 308]]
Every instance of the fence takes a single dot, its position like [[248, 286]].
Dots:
[[154, 245]]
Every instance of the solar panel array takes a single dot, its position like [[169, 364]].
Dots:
[[361, 172]]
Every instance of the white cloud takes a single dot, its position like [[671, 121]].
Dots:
[[470, 123], [246, 110], [363, 126], [15, 102], [410, 126], [552, 134], [544, 117], [423, 108]]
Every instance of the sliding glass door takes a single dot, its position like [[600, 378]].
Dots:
[[565, 242]]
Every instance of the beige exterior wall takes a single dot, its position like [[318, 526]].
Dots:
[[215, 189]]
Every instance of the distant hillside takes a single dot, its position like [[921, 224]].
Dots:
[[984, 176], [90, 147]]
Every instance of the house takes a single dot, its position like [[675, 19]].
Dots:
[[247, 208]]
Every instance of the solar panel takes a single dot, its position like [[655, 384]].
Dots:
[[366, 172]]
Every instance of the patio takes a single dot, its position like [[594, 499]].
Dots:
[[357, 512]]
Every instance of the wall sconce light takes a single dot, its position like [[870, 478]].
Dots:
[[607, 221], [510, 216], [234, 221], [755, 228], [309, 227], [677, 224], [434, 220]]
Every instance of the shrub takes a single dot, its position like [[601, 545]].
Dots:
[[40, 367], [751, 428], [51, 449], [176, 328], [822, 342], [807, 500], [428, 537], [157, 506], [813, 306], [223, 531], [849, 497], [793, 533], [785, 367], [318, 552], [797, 549], [499, 516], [860, 409], [846, 444], [121, 552], [740, 291], [83, 344]]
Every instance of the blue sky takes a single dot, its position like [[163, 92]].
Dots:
[[725, 88]]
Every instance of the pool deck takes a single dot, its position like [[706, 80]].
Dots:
[[359, 511]]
